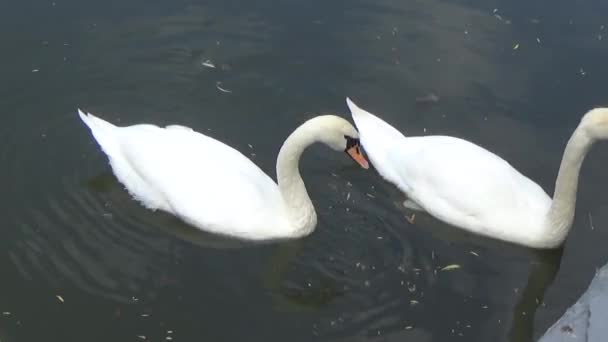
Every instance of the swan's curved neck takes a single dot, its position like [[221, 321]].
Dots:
[[300, 209], [561, 213]]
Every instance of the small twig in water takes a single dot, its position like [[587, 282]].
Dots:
[[591, 221]]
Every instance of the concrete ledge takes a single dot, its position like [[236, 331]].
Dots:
[[587, 319]]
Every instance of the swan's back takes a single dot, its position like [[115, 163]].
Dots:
[[197, 178]]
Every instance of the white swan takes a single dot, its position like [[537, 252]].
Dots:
[[214, 187], [469, 187]]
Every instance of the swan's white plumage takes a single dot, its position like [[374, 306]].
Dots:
[[197, 178], [457, 182]]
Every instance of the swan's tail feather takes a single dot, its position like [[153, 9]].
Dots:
[[103, 132], [369, 124]]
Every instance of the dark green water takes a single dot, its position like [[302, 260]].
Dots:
[[124, 273]]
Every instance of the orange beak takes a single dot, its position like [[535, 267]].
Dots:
[[355, 153]]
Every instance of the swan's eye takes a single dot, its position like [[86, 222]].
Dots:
[[351, 142]]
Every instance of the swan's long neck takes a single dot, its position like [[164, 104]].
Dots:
[[301, 212], [561, 213]]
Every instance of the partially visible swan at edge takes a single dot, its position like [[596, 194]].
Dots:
[[469, 187], [214, 187]]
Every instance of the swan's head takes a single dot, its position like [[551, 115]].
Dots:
[[340, 135], [596, 123]]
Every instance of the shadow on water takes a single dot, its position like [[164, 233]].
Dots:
[[543, 269]]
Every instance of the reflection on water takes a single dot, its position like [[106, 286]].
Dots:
[[124, 273]]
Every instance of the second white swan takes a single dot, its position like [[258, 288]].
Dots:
[[214, 187], [472, 188]]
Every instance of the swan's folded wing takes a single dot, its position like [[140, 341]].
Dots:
[[205, 182], [464, 184]]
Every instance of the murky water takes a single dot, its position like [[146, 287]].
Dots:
[[81, 261]]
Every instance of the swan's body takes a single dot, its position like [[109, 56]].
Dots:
[[212, 186], [469, 187]]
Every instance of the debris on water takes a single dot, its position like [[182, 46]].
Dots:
[[451, 267], [35, 70], [168, 338], [6, 313], [428, 98], [411, 219], [60, 298], [141, 337], [348, 196], [370, 195], [207, 63], [145, 315], [538, 40], [409, 327], [591, 222], [473, 253], [413, 302], [516, 46], [219, 87], [484, 306], [582, 72], [250, 146], [567, 329]]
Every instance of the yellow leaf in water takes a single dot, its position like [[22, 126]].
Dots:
[[451, 267]]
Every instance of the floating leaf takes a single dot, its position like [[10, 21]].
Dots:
[[208, 64], [60, 298], [219, 87], [451, 267]]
